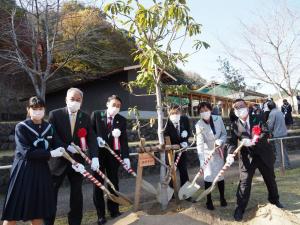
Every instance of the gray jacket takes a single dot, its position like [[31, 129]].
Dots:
[[276, 123]]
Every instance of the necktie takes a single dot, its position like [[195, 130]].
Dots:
[[247, 128], [177, 129], [73, 121], [109, 123]]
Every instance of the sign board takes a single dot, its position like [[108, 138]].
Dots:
[[146, 159]]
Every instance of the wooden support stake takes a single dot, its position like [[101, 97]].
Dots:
[[138, 183], [171, 158]]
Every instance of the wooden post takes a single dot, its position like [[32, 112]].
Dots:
[[171, 158], [138, 182]]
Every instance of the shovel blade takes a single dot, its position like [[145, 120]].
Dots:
[[187, 190], [149, 187], [124, 198], [170, 192], [119, 200]]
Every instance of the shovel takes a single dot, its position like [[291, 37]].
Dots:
[[188, 189], [86, 174], [170, 191], [84, 156], [146, 185], [197, 196]]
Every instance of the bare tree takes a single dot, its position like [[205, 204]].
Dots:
[[33, 32], [270, 49]]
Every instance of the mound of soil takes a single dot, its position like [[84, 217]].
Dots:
[[261, 215], [270, 214]]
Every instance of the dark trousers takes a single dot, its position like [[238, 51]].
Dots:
[[247, 170], [76, 199], [109, 166], [182, 167]]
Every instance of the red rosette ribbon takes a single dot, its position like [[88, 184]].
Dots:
[[82, 133], [256, 132]]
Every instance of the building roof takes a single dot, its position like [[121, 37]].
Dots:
[[221, 89]]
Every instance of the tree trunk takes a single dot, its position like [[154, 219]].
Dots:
[[43, 89], [160, 133]]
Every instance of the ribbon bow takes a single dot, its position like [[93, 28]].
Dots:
[[38, 140]]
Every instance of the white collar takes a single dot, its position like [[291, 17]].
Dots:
[[112, 117], [71, 113], [247, 121]]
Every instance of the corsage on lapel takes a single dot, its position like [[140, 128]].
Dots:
[[184, 134], [82, 133], [116, 133]]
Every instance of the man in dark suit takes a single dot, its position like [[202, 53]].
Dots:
[[259, 155], [178, 129], [110, 128], [68, 123]]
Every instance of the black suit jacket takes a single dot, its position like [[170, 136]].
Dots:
[[262, 149], [99, 124], [171, 131], [60, 120]]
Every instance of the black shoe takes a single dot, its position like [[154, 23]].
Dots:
[[223, 202], [210, 205], [115, 215], [101, 221], [279, 205], [238, 214]]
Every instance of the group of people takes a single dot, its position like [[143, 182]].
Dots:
[[211, 138], [39, 167]]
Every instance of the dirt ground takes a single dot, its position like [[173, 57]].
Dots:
[[187, 213]]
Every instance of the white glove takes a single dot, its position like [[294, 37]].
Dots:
[[57, 152], [95, 164], [72, 149], [101, 142], [248, 142], [127, 162], [79, 168], [230, 159], [184, 144], [218, 142]]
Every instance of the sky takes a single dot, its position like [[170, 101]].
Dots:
[[221, 21]]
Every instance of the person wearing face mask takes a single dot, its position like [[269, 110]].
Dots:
[[110, 127], [287, 110], [211, 134], [178, 129], [70, 123], [253, 155], [30, 194]]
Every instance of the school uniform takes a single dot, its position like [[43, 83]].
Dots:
[[30, 192], [103, 126]]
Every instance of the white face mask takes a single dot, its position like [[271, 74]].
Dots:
[[205, 115], [112, 111], [175, 118], [73, 106], [37, 114], [241, 113]]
